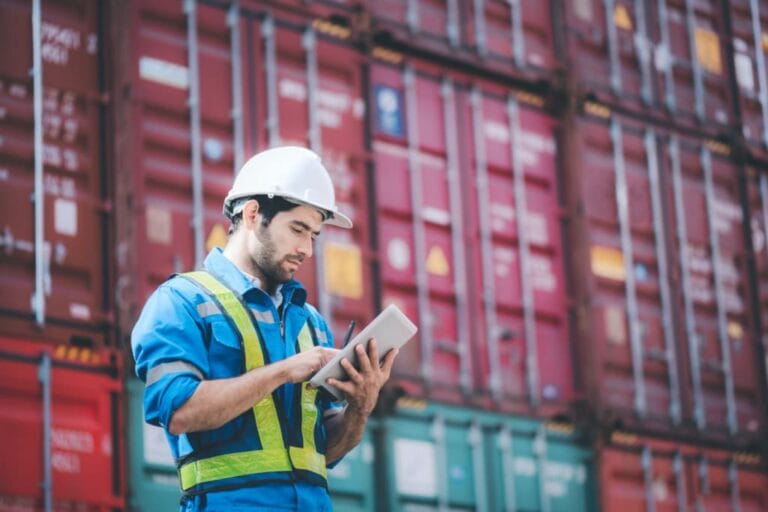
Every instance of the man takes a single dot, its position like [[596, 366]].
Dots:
[[226, 353]]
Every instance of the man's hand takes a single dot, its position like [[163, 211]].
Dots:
[[362, 388], [302, 366]]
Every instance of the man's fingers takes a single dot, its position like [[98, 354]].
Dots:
[[365, 363], [389, 360], [373, 352], [350, 369], [345, 387]]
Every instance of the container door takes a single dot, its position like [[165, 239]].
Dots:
[[61, 407], [711, 256], [213, 86], [631, 343], [749, 21], [420, 226], [54, 244], [516, 251]]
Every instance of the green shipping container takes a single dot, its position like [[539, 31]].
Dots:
[[458, 459], [153, 484]]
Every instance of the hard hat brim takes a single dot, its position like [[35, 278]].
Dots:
[[339, 220]]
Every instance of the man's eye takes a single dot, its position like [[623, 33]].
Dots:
[[296, 230]]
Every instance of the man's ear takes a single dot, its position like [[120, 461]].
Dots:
[[251, 215]]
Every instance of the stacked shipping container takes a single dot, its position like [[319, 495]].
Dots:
[[605, 262]]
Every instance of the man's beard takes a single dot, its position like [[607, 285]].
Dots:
[[267, 260]]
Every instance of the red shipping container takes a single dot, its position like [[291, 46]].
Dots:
[[448, 222], [292, 85], [62, 295], [749, 26], [83, 391], [513, 38], [637, 474], [666, 338], [757, 197], [666, 59]]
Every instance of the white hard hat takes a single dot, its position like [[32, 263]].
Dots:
[[293, 173]]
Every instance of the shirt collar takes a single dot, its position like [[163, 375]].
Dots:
[[239, 282]]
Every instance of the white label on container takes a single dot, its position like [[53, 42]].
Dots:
[[65, 462], [436, 216], [399, 254], [65, 217], [164, 72], [543, 276], [159, 225], [503, 259], [744, 73], [57, 41], [415, 468], [495, 131], [661, 58], [79, 311], [660, 489], [536, 227], [727, 215], [156, 449], [72, 440]]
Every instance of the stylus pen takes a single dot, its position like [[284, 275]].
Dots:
[[349, 333]]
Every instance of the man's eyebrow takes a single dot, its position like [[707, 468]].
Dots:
[[305, 226]]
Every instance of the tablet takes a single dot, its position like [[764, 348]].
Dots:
[[392, 329]]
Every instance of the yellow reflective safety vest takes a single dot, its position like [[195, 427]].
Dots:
[[275, 455]]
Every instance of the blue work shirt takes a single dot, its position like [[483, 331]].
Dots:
[[181, 338]]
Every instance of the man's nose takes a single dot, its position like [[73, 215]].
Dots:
[[306, 247]]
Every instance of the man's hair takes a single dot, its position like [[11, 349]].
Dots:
[[268, 208]]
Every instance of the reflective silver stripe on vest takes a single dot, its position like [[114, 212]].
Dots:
[[163, 369], [322, 337], [265, 317], [207, 309]]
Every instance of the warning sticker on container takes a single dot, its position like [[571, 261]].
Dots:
[[415, 467], [158, 225], [621, 17], [216, 238], [708, 50], [437, 263], [343, 270], [735, 330], [608, 262], [65, 217], [765, 41]]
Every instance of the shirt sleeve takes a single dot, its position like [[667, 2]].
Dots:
[[168, 343]]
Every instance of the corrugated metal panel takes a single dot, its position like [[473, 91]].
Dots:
[[515, 242], [666, 59], [154, 484], [449, 236], [750, 25], [52, 257], [514, 38], [663, 279], [61, 417], [293, 86], [757, 200], [645, 474], [450, 458], [711, 253]]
